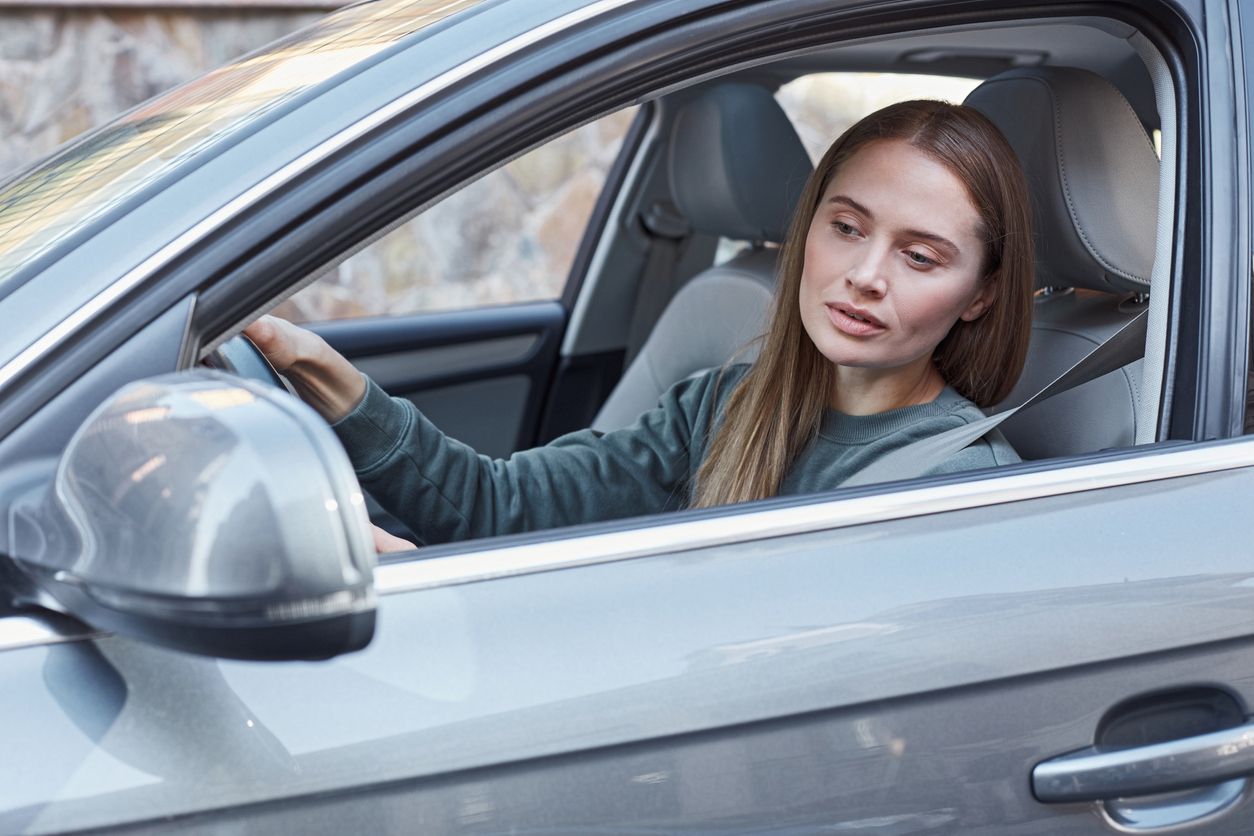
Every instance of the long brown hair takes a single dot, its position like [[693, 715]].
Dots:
[[775, 410]]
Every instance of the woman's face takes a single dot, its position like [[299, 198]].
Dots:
[[892, 260]]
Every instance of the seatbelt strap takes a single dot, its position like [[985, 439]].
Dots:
[[1125, 346], [667, 231]]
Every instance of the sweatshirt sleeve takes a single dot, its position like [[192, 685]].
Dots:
[[443, 490]]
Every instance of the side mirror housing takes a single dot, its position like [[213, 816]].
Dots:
[[206, 513]]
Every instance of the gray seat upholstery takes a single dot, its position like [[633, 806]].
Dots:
[[1093, 175], [736, 167]]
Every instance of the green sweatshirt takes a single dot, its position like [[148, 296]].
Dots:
[[444, 490]]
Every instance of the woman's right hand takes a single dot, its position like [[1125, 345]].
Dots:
[[321, 375]]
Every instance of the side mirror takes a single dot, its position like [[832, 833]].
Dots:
[[210, 514]]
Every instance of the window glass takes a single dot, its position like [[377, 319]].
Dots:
[[509, 237]]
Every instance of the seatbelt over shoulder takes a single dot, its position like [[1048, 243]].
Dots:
[[1125, 346]]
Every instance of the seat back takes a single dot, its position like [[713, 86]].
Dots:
[[736, 168], [1093, 177]]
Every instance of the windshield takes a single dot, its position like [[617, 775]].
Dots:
[[63, 194]]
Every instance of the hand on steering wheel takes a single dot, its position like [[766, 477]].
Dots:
[[240, 356]]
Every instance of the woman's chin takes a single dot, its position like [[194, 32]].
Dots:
[[859, 357], [866, 358]]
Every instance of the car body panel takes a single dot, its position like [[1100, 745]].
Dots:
[[483, 675], [900, 675]]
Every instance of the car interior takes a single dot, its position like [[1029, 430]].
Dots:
[[1088, 159], [646, 304]]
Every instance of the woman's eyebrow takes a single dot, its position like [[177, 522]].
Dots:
[[853, 204], [939, 240], [932, 237]]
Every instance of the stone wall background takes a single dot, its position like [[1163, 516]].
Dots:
[[510, 237]]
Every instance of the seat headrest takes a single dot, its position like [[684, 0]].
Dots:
[[736, 163], [1092, 172]]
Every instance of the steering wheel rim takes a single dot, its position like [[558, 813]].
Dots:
[[240, 357]]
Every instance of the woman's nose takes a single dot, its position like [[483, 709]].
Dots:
[[866, 275]]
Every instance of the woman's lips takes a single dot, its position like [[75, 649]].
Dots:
[[854, 321]]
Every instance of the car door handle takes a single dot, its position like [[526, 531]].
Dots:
[[1102, 772]]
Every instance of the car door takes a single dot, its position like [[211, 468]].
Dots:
[[902, 661], [897, 658], [955, 647]]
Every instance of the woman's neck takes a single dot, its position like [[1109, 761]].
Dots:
[[862, 391]]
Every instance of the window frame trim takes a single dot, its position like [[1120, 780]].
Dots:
[[823, 513]]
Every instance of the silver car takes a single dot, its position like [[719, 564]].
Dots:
[[197, 637]]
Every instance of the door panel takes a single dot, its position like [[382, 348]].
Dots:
[[480, 375], [486, 413], [947, 762], [894, 677]]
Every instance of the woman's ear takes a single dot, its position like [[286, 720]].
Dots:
[[981, 303]]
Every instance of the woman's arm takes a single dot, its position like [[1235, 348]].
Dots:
[[321, 375], [444, 491]]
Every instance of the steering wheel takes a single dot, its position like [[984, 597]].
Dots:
[[239, 356]]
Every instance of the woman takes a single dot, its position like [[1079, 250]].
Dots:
[[903, 305]]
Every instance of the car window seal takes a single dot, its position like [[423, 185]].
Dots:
[[688, 531]]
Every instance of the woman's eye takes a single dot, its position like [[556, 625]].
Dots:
[[919, 258], [844, 228]]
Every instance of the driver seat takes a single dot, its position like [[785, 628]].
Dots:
[[736, 168]]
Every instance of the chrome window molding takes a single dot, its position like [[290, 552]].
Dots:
[[137, 275], [687, 535]]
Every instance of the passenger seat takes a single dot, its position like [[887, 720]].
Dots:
[[1093, 176]]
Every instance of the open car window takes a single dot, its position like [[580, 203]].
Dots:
[[505, 378], [820, 104]]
